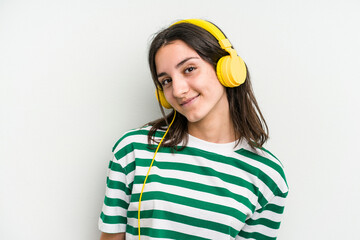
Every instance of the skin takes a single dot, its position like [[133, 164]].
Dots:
[[192, 88], [115, 236]]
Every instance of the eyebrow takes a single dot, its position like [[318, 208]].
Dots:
[[177, 65]]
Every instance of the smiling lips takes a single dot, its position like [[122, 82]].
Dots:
[[187, 101]]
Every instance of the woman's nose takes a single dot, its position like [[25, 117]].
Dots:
[[179, 87]]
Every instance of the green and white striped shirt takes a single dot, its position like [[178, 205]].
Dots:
[[205, 191]]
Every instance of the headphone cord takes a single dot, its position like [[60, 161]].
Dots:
[[152, 161]]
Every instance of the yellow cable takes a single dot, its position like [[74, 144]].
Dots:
[[152, 161]]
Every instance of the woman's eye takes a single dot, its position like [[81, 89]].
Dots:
[[189, 69], [165, 81]]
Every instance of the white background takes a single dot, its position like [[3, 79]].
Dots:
[[74, 77]]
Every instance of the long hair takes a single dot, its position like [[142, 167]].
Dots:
[[248, 121]]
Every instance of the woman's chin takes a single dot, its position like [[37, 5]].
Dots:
[[193, 117]]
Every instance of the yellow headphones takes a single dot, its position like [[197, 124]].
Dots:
[[230, 69]]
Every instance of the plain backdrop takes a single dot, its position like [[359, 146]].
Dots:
[[74, 77]]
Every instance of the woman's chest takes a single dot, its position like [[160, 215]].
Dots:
[[192, 193]]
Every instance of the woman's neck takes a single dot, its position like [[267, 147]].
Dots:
[[217, 130]]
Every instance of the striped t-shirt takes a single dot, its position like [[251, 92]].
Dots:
[[205, 191]]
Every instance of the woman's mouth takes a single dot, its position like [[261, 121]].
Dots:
[[188, 101]]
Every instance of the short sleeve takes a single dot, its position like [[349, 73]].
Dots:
[[265, 222], [117, 196]]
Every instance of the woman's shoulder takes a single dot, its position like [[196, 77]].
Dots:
[[267, 163], [260, 154], [130, 136], [136, 135]]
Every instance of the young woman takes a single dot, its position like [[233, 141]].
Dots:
[[211, 178]]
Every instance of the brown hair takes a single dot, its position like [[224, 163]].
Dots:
[[248, 121]]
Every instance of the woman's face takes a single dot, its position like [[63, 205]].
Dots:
[[190, 83]]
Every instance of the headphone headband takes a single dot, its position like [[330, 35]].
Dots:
[[208, 26], [213, 30]]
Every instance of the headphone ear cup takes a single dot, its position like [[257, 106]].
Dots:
[[231, 71], [161, 98]]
